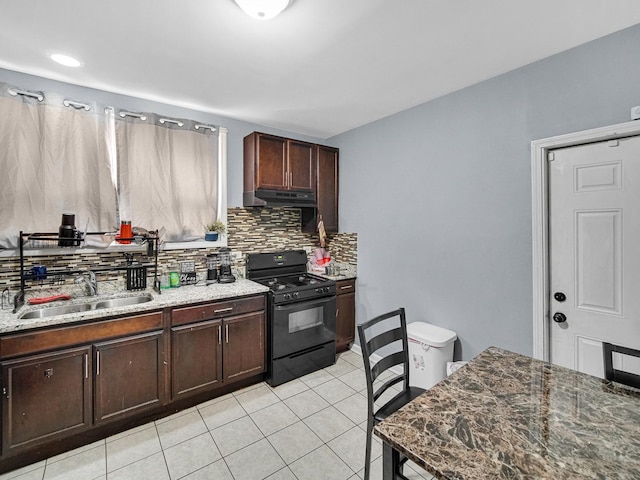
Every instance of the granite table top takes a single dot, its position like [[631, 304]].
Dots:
[[507, 416], [185, 295]]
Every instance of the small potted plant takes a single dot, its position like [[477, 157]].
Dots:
[[213, 230]]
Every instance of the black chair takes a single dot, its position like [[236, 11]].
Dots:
[[620, 376], [379, 332]]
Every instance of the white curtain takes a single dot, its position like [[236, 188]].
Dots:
[[168, 174], [53, 160]]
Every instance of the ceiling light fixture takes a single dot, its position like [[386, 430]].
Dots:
[[262, 9], [65, 60]]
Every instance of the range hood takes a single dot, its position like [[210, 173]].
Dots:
[[278, 198]]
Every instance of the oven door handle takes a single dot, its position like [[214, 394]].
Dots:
[[308, 303]]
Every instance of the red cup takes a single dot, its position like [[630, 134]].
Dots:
[[125, 232]]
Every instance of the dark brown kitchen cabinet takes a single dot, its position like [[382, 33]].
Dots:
[[196, 357], [129, 376], [327, 187], [71, 384], [326, 193], [217, 343], [345, 314], [269, 161], [244, 347], [301, 166], [46, 397], [277, 163]]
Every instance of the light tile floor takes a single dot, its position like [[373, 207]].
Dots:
[[312, 428]]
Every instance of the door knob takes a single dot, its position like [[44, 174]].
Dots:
[[559, 317], [559, 296]]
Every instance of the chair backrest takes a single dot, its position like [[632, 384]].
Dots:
[[620, 376], [371, 343]]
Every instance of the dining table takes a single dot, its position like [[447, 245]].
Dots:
[[508, 416]]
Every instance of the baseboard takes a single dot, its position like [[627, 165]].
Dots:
[[358, 351]]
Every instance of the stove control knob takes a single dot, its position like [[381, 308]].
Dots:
[[295, 294], [287, 296], [326, 289]]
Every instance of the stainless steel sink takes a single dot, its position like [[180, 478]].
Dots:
[[83, 307], [123, 302], [52, 311]]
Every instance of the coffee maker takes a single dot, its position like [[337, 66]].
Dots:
[[225, 275], [212, 268]]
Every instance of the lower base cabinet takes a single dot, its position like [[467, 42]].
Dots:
[[46, 397], [217, 344], [129, 376], [100, 376], [244, 348], [345, 314], [196, 352]]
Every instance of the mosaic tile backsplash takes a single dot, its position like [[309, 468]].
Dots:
[[250, 230]]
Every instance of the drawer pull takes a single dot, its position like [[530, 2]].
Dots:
[[86, 365], [226, 332], [346, 287], [222, 310]]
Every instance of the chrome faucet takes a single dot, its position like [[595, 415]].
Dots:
[[89, 279]]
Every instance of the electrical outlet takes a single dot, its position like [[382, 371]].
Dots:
[[236, 255], [307, 249], [635, 112]]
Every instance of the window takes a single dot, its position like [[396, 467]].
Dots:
[[63, 156], [168, 172], [53, 160]]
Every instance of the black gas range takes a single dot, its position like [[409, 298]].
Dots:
[[301, 314]]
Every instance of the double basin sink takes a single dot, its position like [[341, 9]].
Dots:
[[86, 306]]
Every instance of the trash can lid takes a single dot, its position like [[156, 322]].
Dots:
[[430, 334]]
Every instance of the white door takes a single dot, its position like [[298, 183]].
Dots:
[[594, 252]]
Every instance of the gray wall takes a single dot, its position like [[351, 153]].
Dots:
[[440, 194], [237, 130]]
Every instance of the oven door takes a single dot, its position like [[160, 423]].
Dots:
[[301, 325]]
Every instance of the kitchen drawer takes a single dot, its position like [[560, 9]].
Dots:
[[181, 316], [345, 286], [42, 340]]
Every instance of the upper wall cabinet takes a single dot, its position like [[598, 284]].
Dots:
[[285, 172], [279, 170], [326, 192]]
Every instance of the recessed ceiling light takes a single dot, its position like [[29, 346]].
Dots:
[[65, 60], [262, 9]]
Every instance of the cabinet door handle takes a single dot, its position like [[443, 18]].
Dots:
[[290, 179], [86, 365], [346, 287], [222, 310], [98, 362], [226, 332], [219, 334]]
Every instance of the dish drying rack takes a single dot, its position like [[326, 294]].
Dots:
[[136, 275]]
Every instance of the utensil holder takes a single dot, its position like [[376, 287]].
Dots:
[[136, 278]]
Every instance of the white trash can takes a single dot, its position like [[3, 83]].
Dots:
[[430, 348]]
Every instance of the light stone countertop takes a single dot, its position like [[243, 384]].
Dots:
[[184, 295], [347, 272]]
